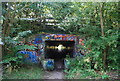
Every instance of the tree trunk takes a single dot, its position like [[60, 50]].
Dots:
[[103, 35], [101, 20]]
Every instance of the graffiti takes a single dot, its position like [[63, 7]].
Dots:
[[29, 56], [60, 47], [41, 38], [39, 42]]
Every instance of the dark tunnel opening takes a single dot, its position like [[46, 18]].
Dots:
[[52, 50]]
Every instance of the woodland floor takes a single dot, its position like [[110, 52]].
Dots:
[[36, 72]]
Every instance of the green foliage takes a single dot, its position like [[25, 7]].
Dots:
[[33, 72], [78, 18], [87, 25], [24, 33], [11, 56], [105, 76], [80, 69], [82, 74], [24, 47], [14, 55]]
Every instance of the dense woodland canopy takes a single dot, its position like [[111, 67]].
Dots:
[[97, 23]]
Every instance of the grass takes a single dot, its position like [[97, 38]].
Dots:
[[33, 72]]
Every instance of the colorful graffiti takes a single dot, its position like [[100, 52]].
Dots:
[[39, 42], [42, 37], [30, 56]]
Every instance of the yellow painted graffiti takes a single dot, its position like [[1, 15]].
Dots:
[[59, 47]]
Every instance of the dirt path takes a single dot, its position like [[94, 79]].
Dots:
[[57, 73], [54, 75]]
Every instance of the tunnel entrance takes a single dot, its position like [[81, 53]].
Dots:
[[58, 49]]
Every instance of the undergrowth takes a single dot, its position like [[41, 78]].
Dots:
[[79, 69], [29, 72]]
